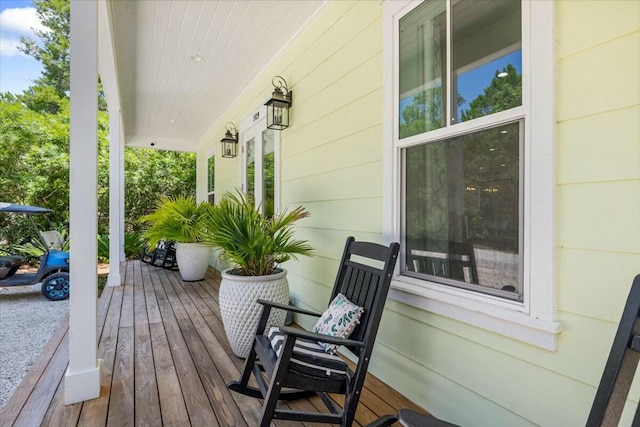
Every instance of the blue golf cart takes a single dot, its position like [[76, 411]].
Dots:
[[53, 270]]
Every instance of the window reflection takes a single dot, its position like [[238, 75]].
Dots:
[[462, 217], [487, 57], [251, 168], [211, 178], [486, 63], [268, 173], [422, 69]]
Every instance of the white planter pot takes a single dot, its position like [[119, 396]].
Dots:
[[241, 312], [193, 260]]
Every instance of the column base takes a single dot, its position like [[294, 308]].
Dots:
[[114, 279], [81, 386]]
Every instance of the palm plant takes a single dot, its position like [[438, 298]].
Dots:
[[254, 243], [179, 218]]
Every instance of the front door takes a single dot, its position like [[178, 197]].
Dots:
[[260, 163]]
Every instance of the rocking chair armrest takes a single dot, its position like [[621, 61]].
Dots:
[[288, 308], [313, 336]]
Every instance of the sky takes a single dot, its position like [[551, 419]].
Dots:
[[17, 70]]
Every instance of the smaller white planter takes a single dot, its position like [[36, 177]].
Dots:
[[240, 311], [193, 260]]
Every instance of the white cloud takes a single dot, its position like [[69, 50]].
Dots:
[[16, 23], [20, 21], [9, 47]]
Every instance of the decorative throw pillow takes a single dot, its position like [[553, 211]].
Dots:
[[339, 320]]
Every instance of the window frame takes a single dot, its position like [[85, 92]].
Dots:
[[533, 320]]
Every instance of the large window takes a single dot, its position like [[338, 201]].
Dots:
[[460, 62], [468, 130]]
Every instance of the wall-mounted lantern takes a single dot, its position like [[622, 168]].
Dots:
[[230, 141], [278, 105]]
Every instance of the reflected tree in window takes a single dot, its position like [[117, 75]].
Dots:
[[502, 94]]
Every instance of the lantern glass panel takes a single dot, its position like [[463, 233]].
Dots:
[[277, 114], [228, 148]]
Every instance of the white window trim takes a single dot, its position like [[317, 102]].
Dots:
[[534, 320]]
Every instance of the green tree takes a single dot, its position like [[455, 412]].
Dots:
[[502, 94], [34, 143], [151, 175], [53, 49]]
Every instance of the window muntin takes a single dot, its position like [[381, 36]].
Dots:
[[463, 211], [211, 179], [462, 196]]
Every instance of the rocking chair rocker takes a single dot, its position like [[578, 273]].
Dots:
[[295, 359]]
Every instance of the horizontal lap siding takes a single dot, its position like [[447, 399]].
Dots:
[[598, 174], [332, 164]]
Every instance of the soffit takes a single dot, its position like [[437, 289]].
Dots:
[[168, 98]]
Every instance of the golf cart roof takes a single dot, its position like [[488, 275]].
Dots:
[[11, 207]]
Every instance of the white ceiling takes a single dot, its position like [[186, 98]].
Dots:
[[168, 98]]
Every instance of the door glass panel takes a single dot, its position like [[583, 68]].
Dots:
[[422, 69], [487, 57], [268, 173], [251, 168]]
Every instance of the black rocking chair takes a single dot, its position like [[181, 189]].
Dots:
[[364, 285], [164, 255], [614, 386]]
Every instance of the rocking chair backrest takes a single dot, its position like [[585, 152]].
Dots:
[[366, 285]]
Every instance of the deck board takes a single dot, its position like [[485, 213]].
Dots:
[[165, 362], [147, 412]]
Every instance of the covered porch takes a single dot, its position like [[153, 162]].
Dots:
[[165, 360]]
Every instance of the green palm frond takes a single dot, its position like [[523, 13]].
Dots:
[[180, 218], [253, 242]]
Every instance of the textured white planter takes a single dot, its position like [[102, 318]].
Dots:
[[193, 260], [241, 312]]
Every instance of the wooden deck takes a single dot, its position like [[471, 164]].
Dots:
[[165, 361]]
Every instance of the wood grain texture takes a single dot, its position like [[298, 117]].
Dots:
[[172, 372]]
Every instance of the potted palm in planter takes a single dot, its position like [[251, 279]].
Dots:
[[182, 219], [255, 245]]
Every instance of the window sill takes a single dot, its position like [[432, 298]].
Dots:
[[501, 320]]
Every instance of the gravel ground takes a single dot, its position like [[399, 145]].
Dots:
[[27, 321]]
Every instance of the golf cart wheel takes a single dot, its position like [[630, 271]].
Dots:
[[56, 286]]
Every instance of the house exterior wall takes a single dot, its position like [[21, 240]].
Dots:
[[331, 163]]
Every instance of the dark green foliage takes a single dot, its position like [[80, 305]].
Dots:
[[34, 145], [181, 219], [502, 94], [151, 175], [133, 243], [254, 243]]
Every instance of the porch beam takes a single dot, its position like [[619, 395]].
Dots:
[[116, 180], [82, 379]]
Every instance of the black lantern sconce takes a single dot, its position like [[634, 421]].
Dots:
[[230, 141], [278, 105]]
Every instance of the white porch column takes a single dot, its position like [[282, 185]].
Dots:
[[121, 189], [82, 379], [116, 179]]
